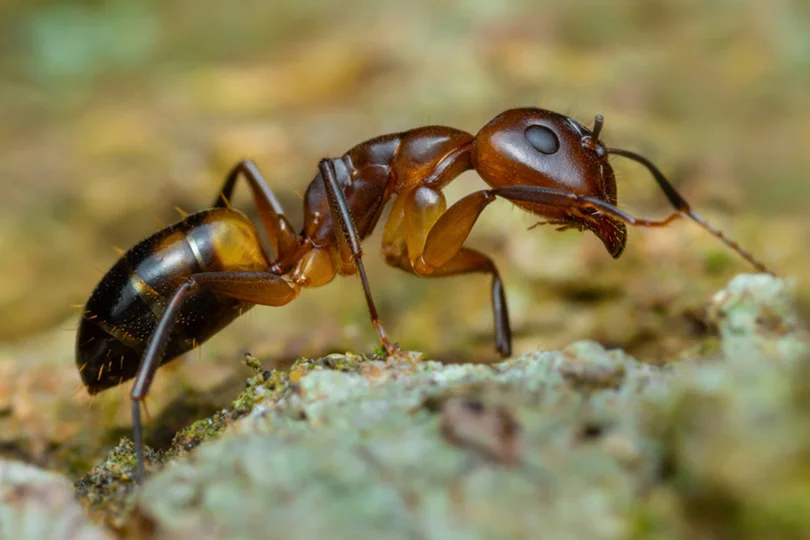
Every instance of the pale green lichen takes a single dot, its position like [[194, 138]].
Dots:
[[368, 460], [364, 447], [757, 317], [37, 504], [580, 443]]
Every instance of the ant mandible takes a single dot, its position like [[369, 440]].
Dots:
[[183, 284]]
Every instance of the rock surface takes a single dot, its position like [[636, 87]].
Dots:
[[579, 443], [36, 504]]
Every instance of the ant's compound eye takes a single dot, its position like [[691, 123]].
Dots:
[[543, 139]]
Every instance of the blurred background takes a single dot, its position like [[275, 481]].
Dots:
[[114, 113]]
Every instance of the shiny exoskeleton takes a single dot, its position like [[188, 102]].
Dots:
[[179, 287]]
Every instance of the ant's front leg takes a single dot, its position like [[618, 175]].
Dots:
[[424, 239]]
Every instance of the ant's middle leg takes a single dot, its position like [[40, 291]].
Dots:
[[341, 214], [283, 238], [419, 225]]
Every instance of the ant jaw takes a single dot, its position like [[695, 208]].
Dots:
[[612, 233]]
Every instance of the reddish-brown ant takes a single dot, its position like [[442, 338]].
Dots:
[[183, 284]]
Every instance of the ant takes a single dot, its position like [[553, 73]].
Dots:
[[182, 285]]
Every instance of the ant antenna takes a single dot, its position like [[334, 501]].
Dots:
[[597, 125], [683, 207]]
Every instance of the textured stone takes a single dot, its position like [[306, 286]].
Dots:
[[579, 443], [36, 504]]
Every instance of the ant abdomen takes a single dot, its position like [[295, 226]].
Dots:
[[125, 307]]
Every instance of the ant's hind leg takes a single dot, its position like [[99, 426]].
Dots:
[[262, 288], [258, 185], [283, 238]]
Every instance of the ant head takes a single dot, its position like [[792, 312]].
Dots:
[[536, 147]]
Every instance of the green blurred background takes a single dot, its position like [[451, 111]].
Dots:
[[114, 113]]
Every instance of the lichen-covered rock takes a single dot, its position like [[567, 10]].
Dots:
[[734, 443], [107, 490], [734, 433], [404, 450], [757, 318], [580, 443], [37, 504]]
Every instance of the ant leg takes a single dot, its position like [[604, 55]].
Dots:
[[257, 184], [565, 199], [282, 236], [441, 251], [253, 287], [467, 261], [419, 225], [446, 237], [340, 211]]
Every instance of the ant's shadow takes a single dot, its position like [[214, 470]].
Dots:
[[192, 405]]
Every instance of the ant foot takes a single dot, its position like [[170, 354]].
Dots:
[[394, 350], [391, 349]]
